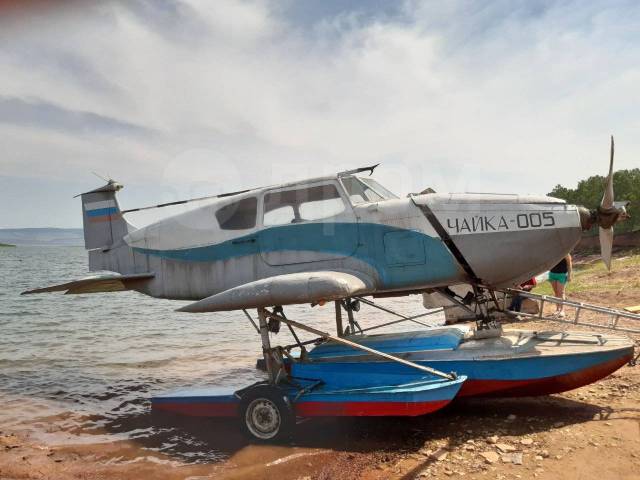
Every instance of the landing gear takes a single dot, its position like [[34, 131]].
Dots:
[[266, 415], [266, 409], [474, 303]]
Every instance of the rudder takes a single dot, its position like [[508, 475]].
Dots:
[[102, 219], [104, 232]]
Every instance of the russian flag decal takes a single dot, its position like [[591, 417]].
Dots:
[[101, 211]]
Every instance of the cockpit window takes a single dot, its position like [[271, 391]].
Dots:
[[362, 190], [379, 189], [240, 215], [302, 204]]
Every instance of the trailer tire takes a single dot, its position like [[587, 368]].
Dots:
[[266, 414]]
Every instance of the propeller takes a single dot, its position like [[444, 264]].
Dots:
[[606, 215], [101, 177], [606, 205], [606, 245]]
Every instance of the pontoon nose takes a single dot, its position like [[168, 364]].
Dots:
[[507, 239]]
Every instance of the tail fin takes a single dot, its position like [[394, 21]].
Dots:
[[104, 229], [102, 220], [104, 232]]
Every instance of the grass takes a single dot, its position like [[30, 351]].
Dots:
[[591, 274]]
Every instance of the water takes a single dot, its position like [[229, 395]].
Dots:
[[81, 368]]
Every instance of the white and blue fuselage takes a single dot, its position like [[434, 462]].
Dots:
[[343, 223]]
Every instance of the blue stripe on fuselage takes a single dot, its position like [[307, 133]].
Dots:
[[364, 241]]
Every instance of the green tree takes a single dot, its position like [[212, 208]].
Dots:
[[626, 185]]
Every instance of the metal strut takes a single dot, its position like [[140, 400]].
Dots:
[[403, 317], [341, 333], [272, 356], [432, 371], [350, 306]]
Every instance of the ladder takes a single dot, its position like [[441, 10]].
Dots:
[[596, 316]]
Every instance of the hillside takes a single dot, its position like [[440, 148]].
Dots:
[[42, 236]]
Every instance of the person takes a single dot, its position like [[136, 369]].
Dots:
[[516, 302], [559, 276]]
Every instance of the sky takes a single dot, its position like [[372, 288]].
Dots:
[[178, 99]]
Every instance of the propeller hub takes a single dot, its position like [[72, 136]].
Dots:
[[607, 217], [603, 217], [587, 218]]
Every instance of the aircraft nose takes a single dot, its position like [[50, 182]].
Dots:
[[510, 257], [504, 240]]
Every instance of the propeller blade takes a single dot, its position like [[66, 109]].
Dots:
[[607, 198], [606, 245]]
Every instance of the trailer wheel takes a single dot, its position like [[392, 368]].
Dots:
[[266, 414]]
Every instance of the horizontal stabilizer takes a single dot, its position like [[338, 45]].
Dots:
[[288, 289], [110, 283]]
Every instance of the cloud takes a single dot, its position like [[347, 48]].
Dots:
[[311, 15], [60, 65], [171, 19], [198, 97], [44, 115]]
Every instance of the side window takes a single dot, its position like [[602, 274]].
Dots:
[[240, 215], [302, 205], [279, 215], [320, 209]]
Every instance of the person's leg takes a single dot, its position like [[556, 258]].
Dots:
[[556, 292], [553, 286], [516, 303], [560, 294]]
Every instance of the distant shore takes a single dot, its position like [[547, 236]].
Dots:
[[42, 236], [6, 245]]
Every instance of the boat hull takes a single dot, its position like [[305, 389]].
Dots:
[[412, 399], [369, 409], [532, 364], [209, 402], [349, 383], [325, 400], [543, 386]]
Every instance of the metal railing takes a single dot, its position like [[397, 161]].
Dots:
[[612, 319]]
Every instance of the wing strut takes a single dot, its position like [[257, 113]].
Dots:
[[357, 346]]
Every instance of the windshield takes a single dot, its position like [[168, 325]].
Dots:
[[378, 188], [362, 190]]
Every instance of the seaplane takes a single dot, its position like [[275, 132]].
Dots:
[[346, 240]]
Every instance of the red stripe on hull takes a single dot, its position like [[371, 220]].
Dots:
[[311, 409], [541, 386], [211, 409], [367, 409]]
